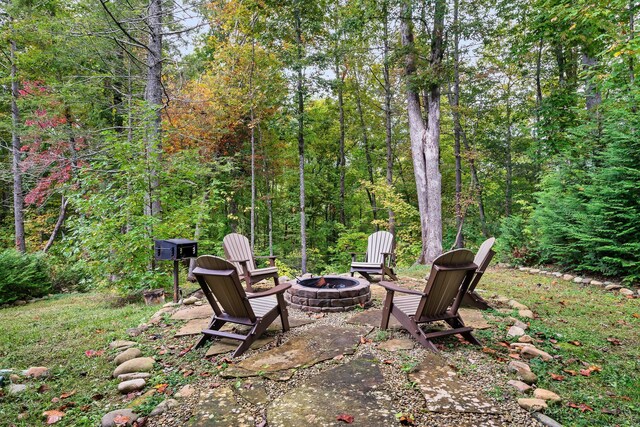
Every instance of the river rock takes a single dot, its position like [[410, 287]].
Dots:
[[17, 388], [534, 271], [163, 406], [14, 378], [625, 291], [516, 305], [525, 339], [523, 370], [37, 372], [185, 391], [577, 279], [519, 385], [515, 331], [612, 287], [597, 283], [530, 352], [190, 300], [532, 404], [108, 419], [586, 281], [134, 332], [567, 277], [526, 313], [541, 393], [134, 376], [121, 344], [131, 385], [524, 269], [128, 354], [139, 364]]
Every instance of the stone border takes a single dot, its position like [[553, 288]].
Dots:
[[608, 285]]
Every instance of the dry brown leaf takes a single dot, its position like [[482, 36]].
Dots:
[[345, 418], [557, 377], [68, 394], [53, 416], [580, 406], [576, 343], [121, 420]]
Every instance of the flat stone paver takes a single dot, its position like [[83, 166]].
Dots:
[[355, 388], [474, 318], [316, 345], [219, 407], [373, 318], [195, 326], [445, 391], [193, 312], [397, 344], [253, 391], [225, 345]]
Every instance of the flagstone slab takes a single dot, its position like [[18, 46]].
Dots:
[[253, 391], [397, 344], [355, 388], [225, 345], [193, 312], [474, 318], [195, 326], [219, 407], [445, 391], [373, 318], [316, 345]]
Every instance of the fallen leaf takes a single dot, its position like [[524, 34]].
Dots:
[[55, 400], [205, 374], [215, 385], [406, 419], [571, 372], [614, 341], [68, 394], [97, 397], [345, 417], [557, 377], [504, 344], [43, 388], [514, 355], [161, 387], [388, 362], [85, 408], [585, 372], [636, 315], [187, 373], [553, 341], [121, 420], [576, 343], [185, 351], [94, 353], [364, 340], [67, 406], [581, 406], [318, 316], [53, 416], [595, 368]]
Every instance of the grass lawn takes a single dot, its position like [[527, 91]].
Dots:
[[583, 326], [55, 333]]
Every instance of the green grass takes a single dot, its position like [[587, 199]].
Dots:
[[586, 314], [56, 333]]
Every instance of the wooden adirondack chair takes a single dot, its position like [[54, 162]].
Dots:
[[221, 286], [238, 251], [482, 260], [378, 259], [450, 277]]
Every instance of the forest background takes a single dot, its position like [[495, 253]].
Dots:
[[127, 120]]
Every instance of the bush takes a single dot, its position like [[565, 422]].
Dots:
[[515, 244], [75, 276], [23, 276]]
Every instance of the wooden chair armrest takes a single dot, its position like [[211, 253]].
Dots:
[[273, 291], [353, 256], [238, 260], [392, 287]]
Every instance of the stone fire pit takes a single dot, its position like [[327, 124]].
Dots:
[[329, 293]]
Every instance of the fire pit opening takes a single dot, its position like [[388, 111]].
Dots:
[[329, 293], [329, 282]]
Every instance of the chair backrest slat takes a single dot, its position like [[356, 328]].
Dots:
[[448, 273], [237, 247], [378, 243], [484, 255], [219, 278]]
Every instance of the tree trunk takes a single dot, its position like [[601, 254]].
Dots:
[[56, 230], [367, 149], [454, 100], [508, 162], [253, 148], [153, 97], [300, 96], [341, 160], [387, 111], [425, 140], [197, 232], [18, 196], [593, 98], [632, 34]]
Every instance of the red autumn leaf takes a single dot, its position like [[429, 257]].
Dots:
[[185, 351], [488, 350], [53, 416], [345, 417], [121, 420], [205, 374], [94, 353], [406, 420], [580, 406], [585, 372], [67, 406], [576, 343], [364, 340], [557, 377], [68, 394], [187, 373], [501, 359], [614, 341], [504, 344]]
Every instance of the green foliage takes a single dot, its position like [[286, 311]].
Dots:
[[74, 276], [23, 276], [515, 243]]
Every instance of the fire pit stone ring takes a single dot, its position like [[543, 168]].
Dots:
[[332, 294]]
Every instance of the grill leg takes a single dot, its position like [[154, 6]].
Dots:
[[176, 285]]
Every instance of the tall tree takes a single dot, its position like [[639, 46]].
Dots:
[[16, 149]]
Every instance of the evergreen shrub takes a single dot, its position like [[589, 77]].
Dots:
[[23, 276]]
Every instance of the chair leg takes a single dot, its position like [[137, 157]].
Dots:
[[244, 346], [284, 314], [390, 273], [386, 310], [214, 324], [366, 276], [456, 322]]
